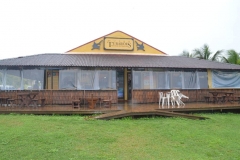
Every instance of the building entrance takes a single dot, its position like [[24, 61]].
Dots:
[[129, 84], [124, 84], [120, 84]]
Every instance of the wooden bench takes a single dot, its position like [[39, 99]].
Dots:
[[99, 102], [4, 100], [238, 100], [107, 102], [76, 103], [36, 102], [11, 102], [42, 100], [207, 99]]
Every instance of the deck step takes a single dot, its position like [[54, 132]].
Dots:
[[121, 114]]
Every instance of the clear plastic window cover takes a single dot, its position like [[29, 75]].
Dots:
[[28, 79], [24, 79], [84, 79], [169, 79]]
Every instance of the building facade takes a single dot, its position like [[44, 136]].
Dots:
[[116, 64]]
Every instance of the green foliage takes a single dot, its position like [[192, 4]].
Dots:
[[78, 137], [186, 54], [232, 57], [204, 53]]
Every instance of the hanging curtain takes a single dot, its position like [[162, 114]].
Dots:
[[151, 79], [189, 80], [79, 87], [198, 83], [96, 81], [3, 79], [225, 79]]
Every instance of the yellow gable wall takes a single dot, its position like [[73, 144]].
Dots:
[[88, 47]]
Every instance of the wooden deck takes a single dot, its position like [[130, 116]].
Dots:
[[56, 109], [126, 109], [155, 110]]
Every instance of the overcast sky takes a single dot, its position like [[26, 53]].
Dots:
[[30, 27]]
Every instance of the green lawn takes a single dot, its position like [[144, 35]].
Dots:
[[74, 137]]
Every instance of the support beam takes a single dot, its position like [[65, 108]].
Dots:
[[125, 85]]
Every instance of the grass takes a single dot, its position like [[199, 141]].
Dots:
[[74, 137]]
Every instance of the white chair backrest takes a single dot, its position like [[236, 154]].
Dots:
[[160, 94], [168, 95], [174, 93]]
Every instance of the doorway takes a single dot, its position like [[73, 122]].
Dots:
[[120, 84], [129, 85], [124, 84]]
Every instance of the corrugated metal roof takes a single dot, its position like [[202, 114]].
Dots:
[[114, 60]]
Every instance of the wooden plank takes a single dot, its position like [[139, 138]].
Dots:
[[121, 114]]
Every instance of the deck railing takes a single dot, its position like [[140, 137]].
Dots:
[[58, 97], [195, 95], [62, 97]]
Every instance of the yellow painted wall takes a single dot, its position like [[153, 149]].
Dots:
[[209, 78], [87, 48]]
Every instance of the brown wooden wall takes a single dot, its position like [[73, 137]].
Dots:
[[152, 96], [58, 97]]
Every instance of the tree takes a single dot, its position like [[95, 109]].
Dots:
[[205, 53], [232, 57], [186, 54]]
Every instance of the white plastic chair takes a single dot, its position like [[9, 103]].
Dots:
[[180, 97], [167, 97], [175, 97], [183, 96], [160, 98]]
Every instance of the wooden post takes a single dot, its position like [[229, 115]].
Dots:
[[92, 98], [125, 85]]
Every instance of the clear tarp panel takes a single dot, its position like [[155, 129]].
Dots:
[[68, 79], [173, 79], [190, 79], [13, 80], [1, 79], [203, 79], [33, 79], [87, 79]]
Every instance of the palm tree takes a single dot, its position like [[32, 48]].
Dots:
[[186, 54], [205, 53], [232, 57]]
